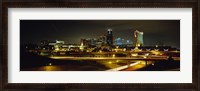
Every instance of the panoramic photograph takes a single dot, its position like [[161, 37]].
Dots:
[[100, 45]]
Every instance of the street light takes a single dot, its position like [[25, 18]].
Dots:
[[110, 62]]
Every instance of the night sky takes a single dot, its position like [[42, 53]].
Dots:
[[165, 32]]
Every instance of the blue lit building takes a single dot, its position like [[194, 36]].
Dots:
[[118, 41]]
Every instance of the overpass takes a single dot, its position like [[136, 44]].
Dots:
[[149, 58], [127, 60]]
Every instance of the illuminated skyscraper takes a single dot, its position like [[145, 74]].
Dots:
[[109, 37], [118, 41], [138, 39]]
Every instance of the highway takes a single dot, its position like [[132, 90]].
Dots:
[[149, 58]]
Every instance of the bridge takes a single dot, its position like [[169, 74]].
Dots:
[[149, 58], [143, 61]]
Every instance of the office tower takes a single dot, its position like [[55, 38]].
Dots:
[[138, 38], [109, 37]]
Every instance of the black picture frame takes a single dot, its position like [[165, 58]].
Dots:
[[194, 4]]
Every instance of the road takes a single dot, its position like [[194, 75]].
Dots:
[[149, 58]]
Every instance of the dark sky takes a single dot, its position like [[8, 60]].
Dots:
[[71, 31]]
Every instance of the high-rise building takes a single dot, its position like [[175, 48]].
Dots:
[[119, 41], [57, 44], [109, 37], [128, 42], [138, 38], [89, 42], [84, 42], [60, 42], [93, 41], [101, 41]]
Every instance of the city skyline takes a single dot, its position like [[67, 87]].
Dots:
[[72, 31]]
